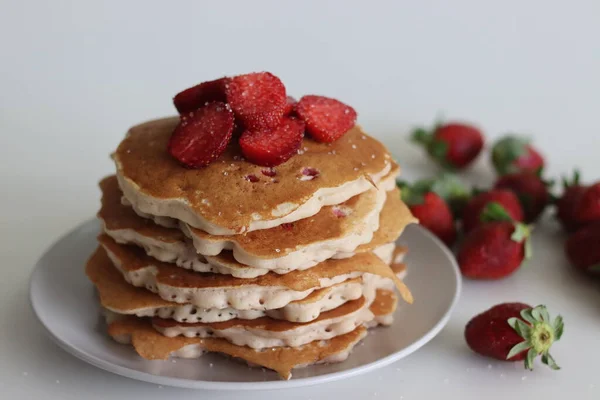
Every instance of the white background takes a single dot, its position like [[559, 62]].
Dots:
[[75, 75]]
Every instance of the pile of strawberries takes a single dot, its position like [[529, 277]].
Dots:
[[255, 109], [490, 230], [494, 221]]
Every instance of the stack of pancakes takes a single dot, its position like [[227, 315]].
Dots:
[[239, 259]]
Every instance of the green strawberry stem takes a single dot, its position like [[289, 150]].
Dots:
[[446, 185], [566, 183], [411, 195], [505, 151], [573, 182], [422, 136], [538, 332], [437, 149], [494, 212]]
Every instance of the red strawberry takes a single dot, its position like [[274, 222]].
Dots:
[[195, 97], [583, 248], [326, 119], [513, 154], [257, 99], [202, 136], [531, 190], [515, 332], [290, 103], [432, 211], [496, 248], [568, 204], [452, 145], [272, 147], [471, 215], [588, 208]]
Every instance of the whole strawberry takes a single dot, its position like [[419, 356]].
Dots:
[[588, 208], [471, 215], [431, 210], [514, 332], [531, 190], [513, 154], [451, 145], [583, 248], [496, 248], [568, 203]]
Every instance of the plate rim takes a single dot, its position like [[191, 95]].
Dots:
[[233, 386]]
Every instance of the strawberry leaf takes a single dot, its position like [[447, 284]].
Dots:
[[559, 327], [517, 349], [494, 212], [544, 313], [506, 150], [549, 361], [421, 136], [537, 314], [438, 150], [526, 315], [573, 182], [529, 359], [451, 189], [412, 195], [520, 327]]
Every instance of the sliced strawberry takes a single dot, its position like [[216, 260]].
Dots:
[[195, 97], [202, 136], [326, 119], [257, 99], [290, 103], [270, 147]]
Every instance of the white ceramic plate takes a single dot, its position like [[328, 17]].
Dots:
[[65, 303]]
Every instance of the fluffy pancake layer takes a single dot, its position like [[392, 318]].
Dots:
[[325, 235], [269, 291], [321, 174], [118, 296]]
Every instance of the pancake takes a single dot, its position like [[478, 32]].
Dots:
[[117, 296], [221, 199], [151, 345], [269, 291], [266, 332], [321, 237], [281, 249]]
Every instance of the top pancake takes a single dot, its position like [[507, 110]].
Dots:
[[220, 199]]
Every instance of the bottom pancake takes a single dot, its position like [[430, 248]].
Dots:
[[151, 345]]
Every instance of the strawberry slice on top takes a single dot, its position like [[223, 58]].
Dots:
[[257, 99], [326, 119], [198, 96], [202, 135], [271, 147]]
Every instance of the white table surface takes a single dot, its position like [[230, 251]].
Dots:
[[75, 75]]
